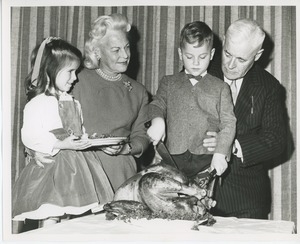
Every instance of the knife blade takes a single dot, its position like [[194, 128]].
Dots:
[[165, 154]]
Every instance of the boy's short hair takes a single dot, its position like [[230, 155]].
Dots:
[[196, 32]]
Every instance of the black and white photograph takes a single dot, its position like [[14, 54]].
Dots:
[[149, 121]]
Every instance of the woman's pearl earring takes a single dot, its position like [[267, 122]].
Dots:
[[97, 55]]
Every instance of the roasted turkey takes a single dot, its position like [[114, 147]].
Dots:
[[162, 191]]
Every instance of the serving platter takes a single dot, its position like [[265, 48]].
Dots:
[[107, 141]]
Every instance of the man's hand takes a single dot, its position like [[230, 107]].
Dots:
[[211, 141]]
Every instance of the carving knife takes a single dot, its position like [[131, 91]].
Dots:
[[165, 154], [163, 150]]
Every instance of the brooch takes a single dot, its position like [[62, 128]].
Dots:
[[128, 85]]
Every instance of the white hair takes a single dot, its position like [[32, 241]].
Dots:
[[99, 28], [247, 29]]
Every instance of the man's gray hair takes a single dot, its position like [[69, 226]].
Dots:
[[247, 29]]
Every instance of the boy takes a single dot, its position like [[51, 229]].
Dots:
[[193, 102]]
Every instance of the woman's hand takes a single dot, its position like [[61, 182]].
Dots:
[[211, 141], [39, 157], [113, 150], [42, 158], [157, 131], [72, 143]]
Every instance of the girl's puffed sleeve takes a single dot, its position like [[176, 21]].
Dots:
[[40, 116]]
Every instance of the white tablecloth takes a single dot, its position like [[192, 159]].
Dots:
[[86, 228]]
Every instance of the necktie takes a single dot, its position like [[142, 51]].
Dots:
[[233, 91], [198, 77]]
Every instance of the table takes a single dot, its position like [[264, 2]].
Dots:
[[96, 226]]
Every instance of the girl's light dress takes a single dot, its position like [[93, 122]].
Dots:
[[75, 182]]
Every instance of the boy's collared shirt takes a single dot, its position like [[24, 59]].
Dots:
[[194, 81]]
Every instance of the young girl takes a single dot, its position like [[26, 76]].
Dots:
[[75, 181]]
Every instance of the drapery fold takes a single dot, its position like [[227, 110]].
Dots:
[[156, 32]]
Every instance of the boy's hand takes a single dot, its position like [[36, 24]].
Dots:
[[219, 163], [156, 131]]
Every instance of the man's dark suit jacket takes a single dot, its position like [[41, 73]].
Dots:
[[261, 132]]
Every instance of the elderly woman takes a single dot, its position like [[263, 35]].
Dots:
[[113, 103]]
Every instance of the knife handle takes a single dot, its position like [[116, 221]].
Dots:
[[147, 124], [213, 172]]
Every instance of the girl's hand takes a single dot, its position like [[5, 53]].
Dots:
[[219, 163], [85, 136], [72, 143], [211, 141], [112, 150], [157, 131]]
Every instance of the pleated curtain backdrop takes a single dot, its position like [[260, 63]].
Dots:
[[157, 31]]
